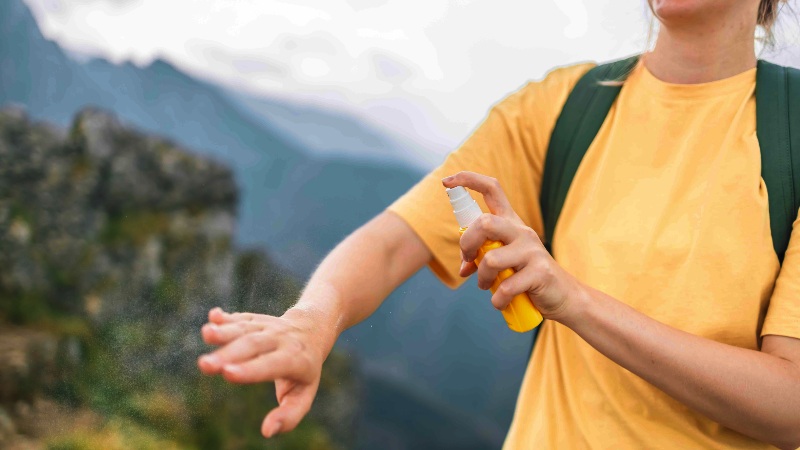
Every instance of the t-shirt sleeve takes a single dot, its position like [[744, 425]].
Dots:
[[783, 313], [509, 145]]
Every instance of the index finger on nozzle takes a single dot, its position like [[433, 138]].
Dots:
[[459, 179], [492, 192]]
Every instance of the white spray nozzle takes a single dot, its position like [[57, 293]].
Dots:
[[465, 207]]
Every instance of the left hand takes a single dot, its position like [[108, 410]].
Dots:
[[551, 288], [255, 348]]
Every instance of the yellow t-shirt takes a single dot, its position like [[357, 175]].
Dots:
[[667, 213]]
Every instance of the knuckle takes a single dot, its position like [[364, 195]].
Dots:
[[540, 256], [529, 233], [254, 339], [253, 326], [280, 330], [250, 339], [545, 270], [505, 289], [498, 303], [491, 261], [486, 221], [295, 346], [533, 252]]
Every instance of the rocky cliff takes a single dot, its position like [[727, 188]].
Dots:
[[114, 246]]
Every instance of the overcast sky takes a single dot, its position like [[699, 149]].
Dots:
[[428, 69]]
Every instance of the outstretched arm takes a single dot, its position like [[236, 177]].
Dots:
[[754, 392], [355, 278], [348, 286]]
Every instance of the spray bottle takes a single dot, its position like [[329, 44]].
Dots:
[[520, 314]]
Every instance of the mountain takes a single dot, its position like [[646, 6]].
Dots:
[[448, 346], [435, 425], [34, 71], [334, 133]]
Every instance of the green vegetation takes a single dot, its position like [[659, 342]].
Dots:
[[133, 227], [112, 257], [148, 407]]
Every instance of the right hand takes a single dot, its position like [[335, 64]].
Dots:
[[257, 347], [551, 288]]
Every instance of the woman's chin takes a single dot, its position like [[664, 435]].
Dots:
[[677, 12]]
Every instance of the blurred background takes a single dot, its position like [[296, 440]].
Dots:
[[159, 158]]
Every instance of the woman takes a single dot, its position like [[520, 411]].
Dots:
[[664, 328]]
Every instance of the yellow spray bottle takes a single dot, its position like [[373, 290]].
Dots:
[[520, 314]]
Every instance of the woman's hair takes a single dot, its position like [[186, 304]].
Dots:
[[768, 11]]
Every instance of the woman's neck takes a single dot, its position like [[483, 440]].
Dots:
[[703, 54]]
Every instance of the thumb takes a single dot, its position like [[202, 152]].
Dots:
[[294, 405]]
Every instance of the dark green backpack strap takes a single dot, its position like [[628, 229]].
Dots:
[[581, 118], [778, 130]]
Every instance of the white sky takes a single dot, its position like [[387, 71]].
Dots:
[[427, 69]]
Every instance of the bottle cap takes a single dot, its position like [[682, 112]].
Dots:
[[465, 207]]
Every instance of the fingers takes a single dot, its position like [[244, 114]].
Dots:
[[510, 287], [467, 268], [293, 407], [487, 227], [497, 260], [241, 349], [214, 334], [493, 193], [218, 316], [268, 367]]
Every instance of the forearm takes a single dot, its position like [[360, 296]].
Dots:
[[755, 393], [356, 276]]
